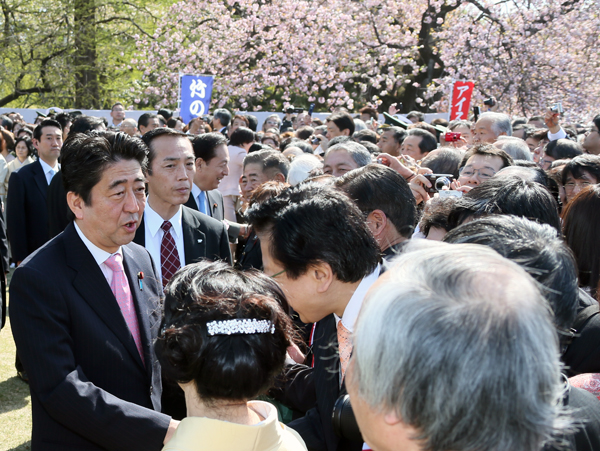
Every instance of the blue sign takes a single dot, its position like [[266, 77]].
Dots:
[[196, 91]]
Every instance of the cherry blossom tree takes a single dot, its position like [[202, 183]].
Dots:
[[267, 53]]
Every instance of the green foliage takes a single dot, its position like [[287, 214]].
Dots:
[[70, 53]]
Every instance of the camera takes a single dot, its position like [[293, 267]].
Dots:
[[557, 108], [451, 136], [314, 140], [489, 102], [344, 421], [438, 182]]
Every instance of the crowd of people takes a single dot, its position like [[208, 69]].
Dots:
[[340, 284]]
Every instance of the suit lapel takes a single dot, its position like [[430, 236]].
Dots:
[[94, 289], [191, 203], [140, 234], [213, 206], [194, 241], [132, 270], [40, 179]]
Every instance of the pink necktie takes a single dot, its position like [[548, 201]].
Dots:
[[169, 257], [345, 346], [120, 288]]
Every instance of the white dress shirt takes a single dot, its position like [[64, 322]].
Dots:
[[154, 235], [100, 256], [47, 170], [350, 314]]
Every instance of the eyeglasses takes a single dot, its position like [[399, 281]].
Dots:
[[278, 274], [483, 174], [271, 122], [570, 186]]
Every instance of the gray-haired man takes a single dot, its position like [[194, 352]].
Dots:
[[455, 350]]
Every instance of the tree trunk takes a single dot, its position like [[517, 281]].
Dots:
[[87, 89]]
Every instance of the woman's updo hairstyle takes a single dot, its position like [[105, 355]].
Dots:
[[236, 366]]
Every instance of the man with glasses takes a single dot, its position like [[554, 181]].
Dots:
[[481, 163], [316, 244], [579, 173], [591, 142]]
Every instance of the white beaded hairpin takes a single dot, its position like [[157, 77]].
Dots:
[[240, 326]]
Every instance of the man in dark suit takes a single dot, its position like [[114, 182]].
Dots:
[[86, 307], [27, 224], [26, 205], [171, 168], [212, 158], [175, 235], [325, 275]]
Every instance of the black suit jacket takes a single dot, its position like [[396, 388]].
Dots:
[[26, 210], [89, 387], [59, 214], [217, 211], [251, 256], [203, 237], [320, 385]]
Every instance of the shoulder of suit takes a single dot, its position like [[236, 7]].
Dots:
[[29, 169], [201, 218], [216, 193]]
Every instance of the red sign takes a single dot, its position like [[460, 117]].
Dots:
[[461, 100]]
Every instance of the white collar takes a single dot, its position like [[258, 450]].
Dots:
[[154, 221], [99, 255], [46, 167], [353, 308]]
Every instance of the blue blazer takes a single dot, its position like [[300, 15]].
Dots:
[[89, 386]]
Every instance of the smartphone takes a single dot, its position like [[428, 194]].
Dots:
[[311, 108]]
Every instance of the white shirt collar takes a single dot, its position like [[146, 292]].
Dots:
[[100, 256], [353, 308], [46, 167], [154, 221]]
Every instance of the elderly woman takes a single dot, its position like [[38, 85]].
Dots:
[[224, 338]]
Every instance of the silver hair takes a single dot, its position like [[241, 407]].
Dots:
[[301, 167], [460, 344], [359, 125], [500, 123], [358, 152], [515, 147]]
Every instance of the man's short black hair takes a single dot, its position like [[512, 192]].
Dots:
[[223, 115], [144, 119], [205, 145], [428, 141], [377, 187], [152, 135], [271, 161], [85, 124], [563, 148], [539, 249], [487, 149], [343, 121], [85, 157], [398, 134], [310, 224], [241, 136], [112, 108], [509, 196], [443, 161], [365, 135], [580, 164], [37, 132]]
